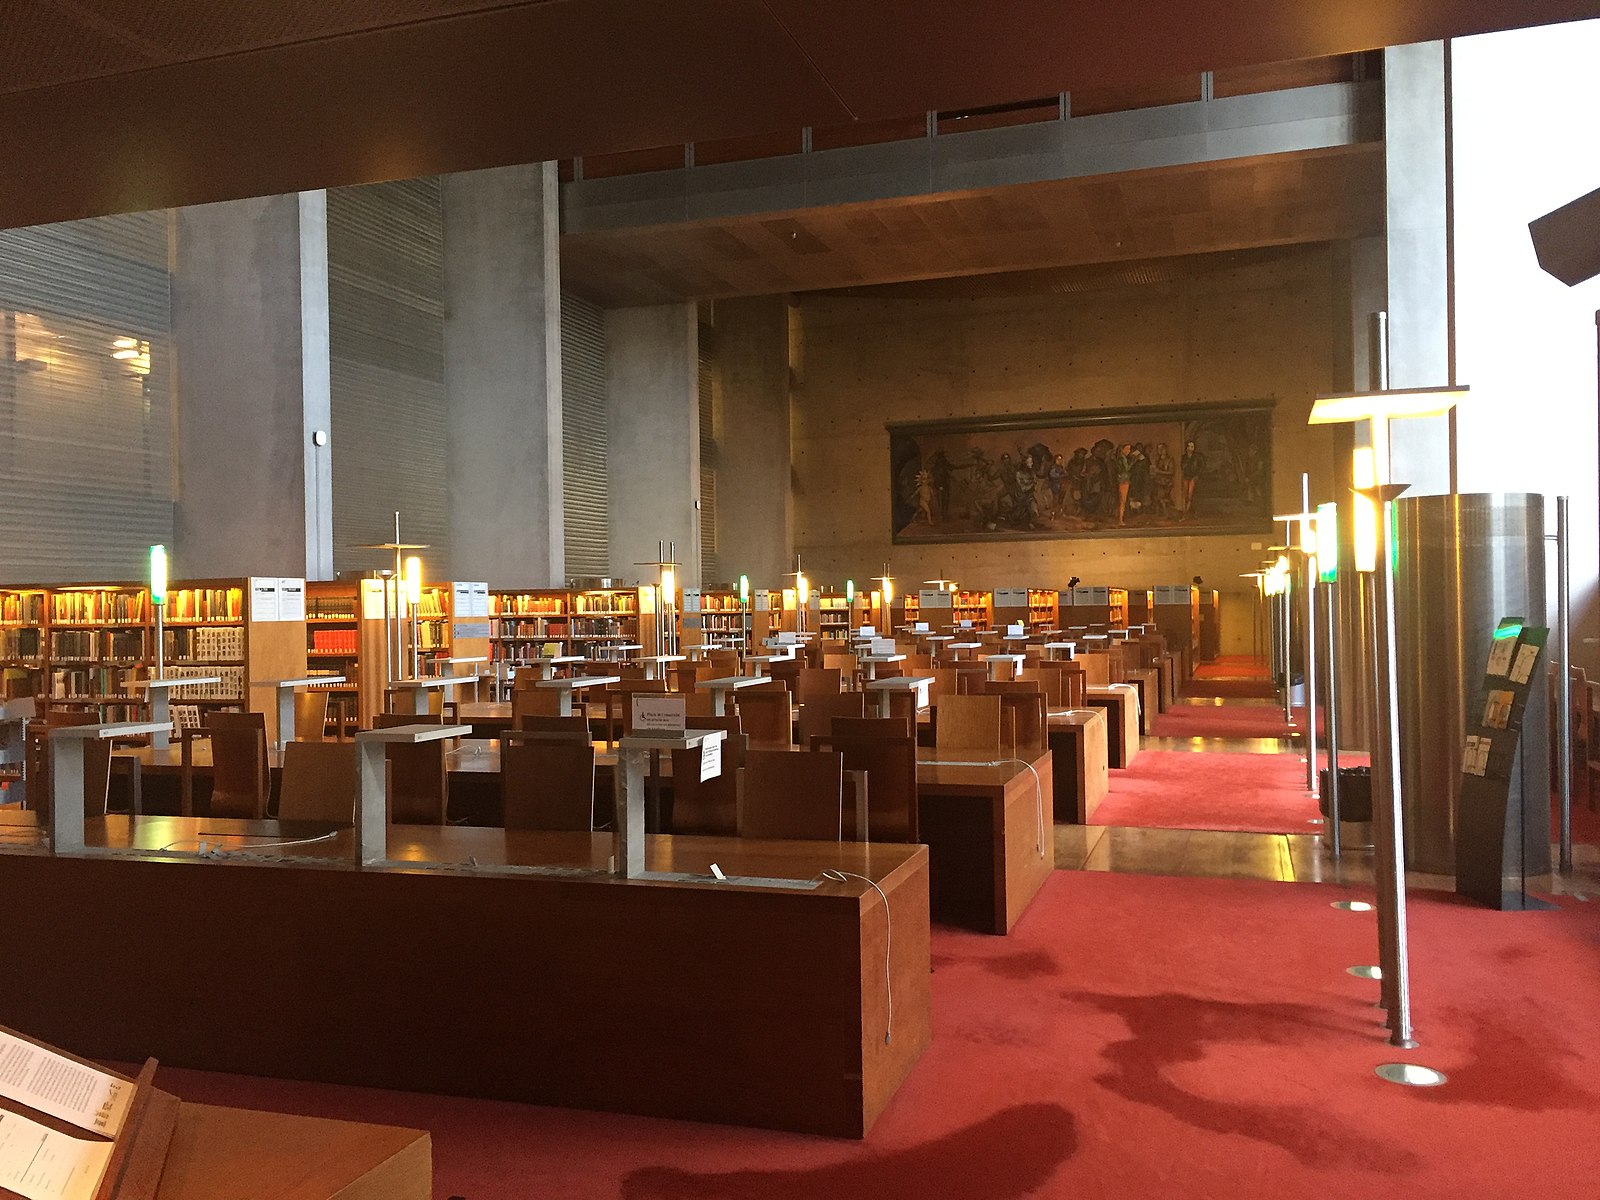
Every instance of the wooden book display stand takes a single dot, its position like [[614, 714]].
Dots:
[[139, 1150]]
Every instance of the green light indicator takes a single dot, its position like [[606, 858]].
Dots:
[[1328, 542]]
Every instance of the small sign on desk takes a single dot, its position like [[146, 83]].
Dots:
[[710, 759], [658, 714], [883, 646]]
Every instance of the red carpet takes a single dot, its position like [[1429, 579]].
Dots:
[[1252, 689], [1223, 720], [1233, 666], [1176, 789], [1135, 1037]]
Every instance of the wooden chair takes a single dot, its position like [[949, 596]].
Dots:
[[765, 715], [547, 781], [709, 808], [575, 728], [534, 702], [844, 663], [863, 727], [1051, 685], [970, 678], [787, 673], [724, 663], [1022, 713], [889, 764], [240, 783], [310, 716], [791, 795], [945, 683], [969, 723], [319, 782], [417, 783], [817, 714], [399, 720]]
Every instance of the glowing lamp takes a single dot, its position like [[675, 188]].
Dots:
[[1328, 542], [158, 574]]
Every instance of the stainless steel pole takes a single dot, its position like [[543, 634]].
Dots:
[[1330, 706], [1311, 647], [1564, 677], [1392, 886]]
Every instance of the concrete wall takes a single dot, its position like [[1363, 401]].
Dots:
[[502, 359], [1526, 127], [1418, 259], [252, 360], [755, 498], [1256, 330], [653, 390]]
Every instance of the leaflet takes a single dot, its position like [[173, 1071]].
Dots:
[[40, 1164], [61, 1087]]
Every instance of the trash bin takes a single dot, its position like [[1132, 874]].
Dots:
[[1355, 794]]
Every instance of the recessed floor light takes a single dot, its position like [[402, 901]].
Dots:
[[1353, 905], [1366, 972], [1411, 1075]]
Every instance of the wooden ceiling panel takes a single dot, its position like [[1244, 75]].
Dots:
[[1239, 204], [891, 57]]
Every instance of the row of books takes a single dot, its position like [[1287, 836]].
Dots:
[[538, 628], [83, 645], [22, 608], [206, 604], [524, 605], [79, 683], [334, 641], [331, 608], [99, 608], [224, 643], [231, 686], [20, 643], [616, 603]]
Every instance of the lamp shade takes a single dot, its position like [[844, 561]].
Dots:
[[1328, 542], [158, 574]]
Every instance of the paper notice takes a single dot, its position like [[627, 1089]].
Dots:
[[1500, 655], [1497, 708], [57, 1086], [291, 599], [1522, 668], [710, 759], [40, 1164]]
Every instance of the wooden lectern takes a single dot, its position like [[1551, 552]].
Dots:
[[169, 1150]]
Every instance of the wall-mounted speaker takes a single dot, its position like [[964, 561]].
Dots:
[[1567, 241]]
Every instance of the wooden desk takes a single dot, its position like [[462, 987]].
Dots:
[[1078, 740], [699, 1001], [982, 828], [1148, 681], [238, 1154], [1121, 702]]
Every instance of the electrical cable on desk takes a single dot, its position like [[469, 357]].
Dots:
[[217, 850], [888, 946], [1038, 786]]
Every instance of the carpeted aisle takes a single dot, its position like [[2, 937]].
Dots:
[[1135, 1037], [1177, 789]]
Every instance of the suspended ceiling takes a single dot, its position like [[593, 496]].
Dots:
[[121, 105]]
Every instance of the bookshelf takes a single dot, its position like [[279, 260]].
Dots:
[[97, 640], [1141, 603], [244, 630], [1176, 612], [522, 622], [1043, 610], [714, 616], [833, 617], [977, 607], [603, 618], [334, 646], [766, 616], [1010, 607], [1098, 606], [22, 642], [907, 612]]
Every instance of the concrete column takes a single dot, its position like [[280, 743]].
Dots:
[[755, 499], [1419, 266], [653, 385], [250, 334], [502, 351]]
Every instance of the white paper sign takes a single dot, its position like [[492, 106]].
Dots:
[[654, 714], [1522, 669], [920, 626], [788, 639], [263, 600], [40, 1164], [869, 631], [60, 1087], [1015, 629], [291, 599], [710, 758], [882, 646]]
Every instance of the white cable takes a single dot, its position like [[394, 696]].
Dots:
[[1038, 785], [219, 850], [888, 946]]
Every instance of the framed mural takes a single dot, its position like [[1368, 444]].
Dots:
[[1179, 471]]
